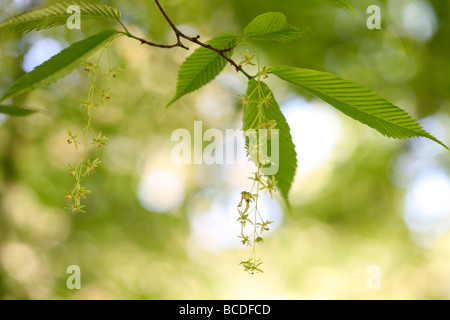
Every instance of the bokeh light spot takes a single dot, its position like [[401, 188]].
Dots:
[[160, 191], [40, 51]]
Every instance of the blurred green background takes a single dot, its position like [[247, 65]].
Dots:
[[156, 230]]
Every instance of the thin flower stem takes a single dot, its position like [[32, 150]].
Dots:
[[84, 166]]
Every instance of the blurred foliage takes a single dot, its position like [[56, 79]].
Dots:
[[346, 216]]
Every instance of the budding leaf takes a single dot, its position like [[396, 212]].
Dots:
[[272, 26], [203, 65]]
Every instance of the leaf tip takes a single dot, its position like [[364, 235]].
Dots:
[[170, 103], [442, 144]]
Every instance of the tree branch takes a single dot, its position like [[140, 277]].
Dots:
[[180, 35]]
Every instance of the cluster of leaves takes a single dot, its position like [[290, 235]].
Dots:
[[260, 108], [354, 100], [261, 111]]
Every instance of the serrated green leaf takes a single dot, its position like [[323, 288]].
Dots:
[[60, 64], [344, 3], [57, 15], [287, 155], [272, 26], [16, 111], [356, 101], [203, 65]]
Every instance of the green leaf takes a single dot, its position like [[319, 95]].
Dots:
[[60, 64], [203, 65], [272, 26], [344, 3], [356, 101], [287, 155], [16, 111], [57, 15]]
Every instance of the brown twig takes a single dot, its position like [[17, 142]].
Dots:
[[180, 35]]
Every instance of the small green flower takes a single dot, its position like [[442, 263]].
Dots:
[[99, 141], [69, 197], [243, 218], [90, 166], [72, 171], [248, 197], [251, 266], [267, 100], [73, 139], [245, 240], [87, 106], [245, 100], [269, 125], [104, 95], [259, 240], [264, 225], [112, 73], [256, 178], [264, 72], [82, 192], [89, 67], [76, 208], [247, 58], [270, 185]]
